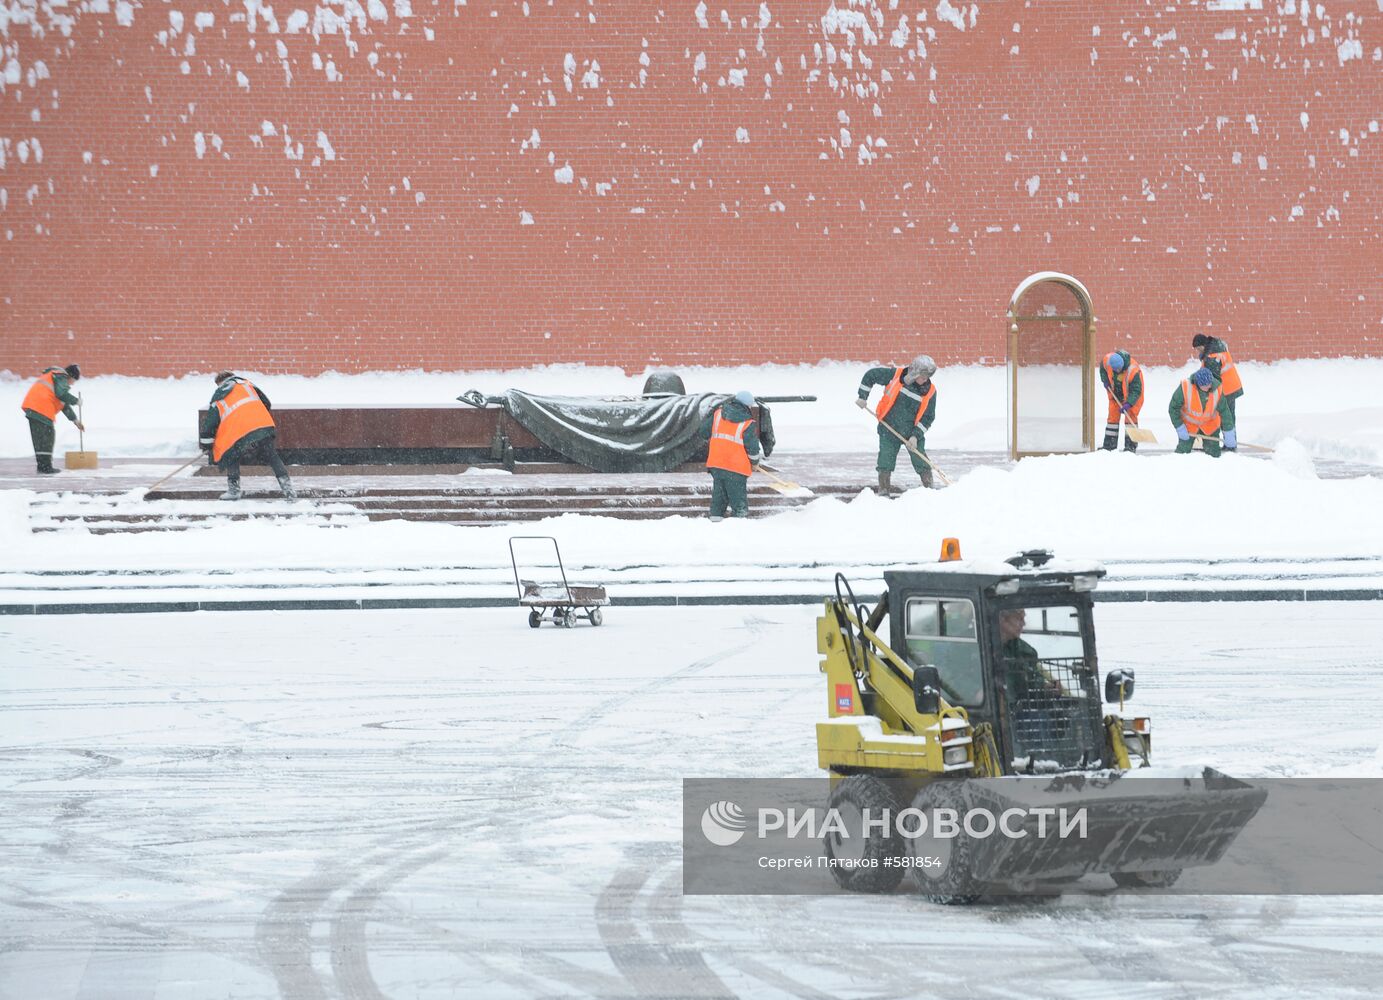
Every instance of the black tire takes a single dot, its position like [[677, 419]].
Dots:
[[535, 618], [883, 852], [595, 616], [568, 617], [1146, 880], [950, 883]]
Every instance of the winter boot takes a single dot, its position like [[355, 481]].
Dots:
[[1111, 437], [286, 485], [1129, 443], [885, 489], [48, 470], [927, 480], [233, 491]]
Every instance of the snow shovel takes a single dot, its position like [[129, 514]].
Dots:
[[907, 443], [80, 459], [170, 475], [1135, 433], [1220, 441], [784, 486]]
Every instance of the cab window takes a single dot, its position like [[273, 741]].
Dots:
[[1054, 632], [1043, 650], [941, 633]]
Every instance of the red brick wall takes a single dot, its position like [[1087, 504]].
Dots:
[[1117, 140]]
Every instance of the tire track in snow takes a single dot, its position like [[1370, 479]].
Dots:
[[586, 719], [283, 934], [350, 957], [670, 930], [647, 968], [667, 961], [654, 968]]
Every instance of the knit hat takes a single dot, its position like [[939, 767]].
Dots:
[[1115, 362], [73, 371], [223, 375], [1199, 340], [922, 368], [1202, 378], [745, 398]]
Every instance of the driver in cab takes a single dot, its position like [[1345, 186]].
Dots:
[[1024, 677]]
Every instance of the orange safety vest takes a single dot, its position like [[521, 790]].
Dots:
[[891, 396], [1229, 375], [1128, 374], [42, 398], [1198, 419], [242, 411], [727, 445]]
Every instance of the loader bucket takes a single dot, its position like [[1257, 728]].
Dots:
[[1164, 821]]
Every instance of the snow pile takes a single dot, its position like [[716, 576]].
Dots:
[[1331, 419], [14, 517], [1106, 505], [1293, 459], [141, 416]]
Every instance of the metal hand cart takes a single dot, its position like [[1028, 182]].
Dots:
[[559, 603]]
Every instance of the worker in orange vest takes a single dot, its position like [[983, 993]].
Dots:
[[1122, 379], [1199, 408], [239, 426], [908, 406], [732, 435], [1214, 354], [47, 397]]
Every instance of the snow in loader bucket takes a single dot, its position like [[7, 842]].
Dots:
[[1131, 824]]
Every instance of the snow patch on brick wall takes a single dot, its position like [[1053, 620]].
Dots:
[[897, 131]]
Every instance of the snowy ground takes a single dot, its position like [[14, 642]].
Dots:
[[1113, 507], [1108, 506], [445, 804]]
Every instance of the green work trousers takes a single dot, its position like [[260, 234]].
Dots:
[[888, 453], [43, 434], [729, 490]]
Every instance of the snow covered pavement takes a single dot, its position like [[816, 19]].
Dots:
[[1165, 520], [490, 583], [448, 804]]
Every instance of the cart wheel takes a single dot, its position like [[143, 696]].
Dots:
[[535, 618], [568, 617], [595, 616]]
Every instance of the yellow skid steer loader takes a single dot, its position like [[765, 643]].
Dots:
[[984, 697]]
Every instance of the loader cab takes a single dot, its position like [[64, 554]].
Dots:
[[1014, 643]]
